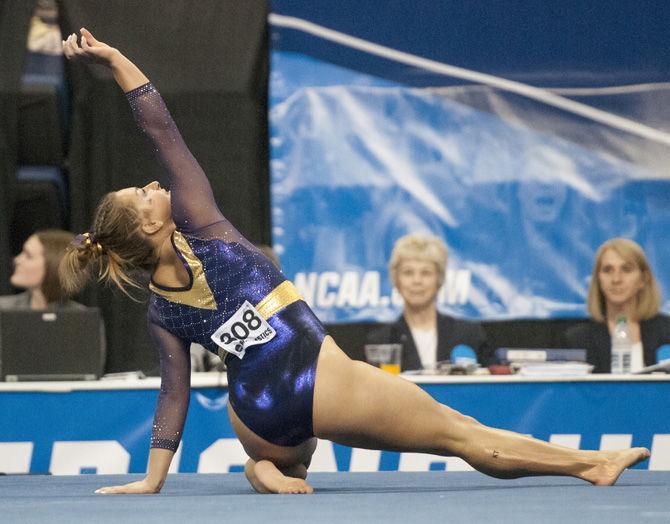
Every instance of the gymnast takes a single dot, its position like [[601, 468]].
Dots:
[[289, 382]]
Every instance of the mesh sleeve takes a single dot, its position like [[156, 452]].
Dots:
[[193, 204], [175, 389]]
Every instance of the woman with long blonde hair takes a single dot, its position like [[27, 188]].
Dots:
[[288, 381], [622, 284]]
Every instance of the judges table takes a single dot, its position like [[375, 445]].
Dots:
[[104, 426]]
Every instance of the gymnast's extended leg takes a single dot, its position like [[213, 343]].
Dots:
[[361, 406]]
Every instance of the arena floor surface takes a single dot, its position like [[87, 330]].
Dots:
[[345, 498]]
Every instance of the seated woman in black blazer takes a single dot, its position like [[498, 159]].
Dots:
[[621, 284], [417, 269]]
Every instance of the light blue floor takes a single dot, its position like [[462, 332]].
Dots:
[[344, 498]]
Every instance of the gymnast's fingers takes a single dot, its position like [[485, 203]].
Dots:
[[139, 487], [67, 47], [108, 489], [71, 42], [75, 45], [112, 490], [88, 37]]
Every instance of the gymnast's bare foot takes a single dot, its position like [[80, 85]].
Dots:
[[265, 477], [295, 486], [614, 462]]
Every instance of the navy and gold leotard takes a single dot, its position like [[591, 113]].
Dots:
[[271, 388]]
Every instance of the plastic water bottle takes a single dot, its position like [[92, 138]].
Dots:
[[622, 346]]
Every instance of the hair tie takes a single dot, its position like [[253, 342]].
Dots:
[[88, 241]]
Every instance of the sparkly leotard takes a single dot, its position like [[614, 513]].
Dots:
[[271, 388]]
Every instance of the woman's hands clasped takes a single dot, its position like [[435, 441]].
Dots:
[[91, 51]]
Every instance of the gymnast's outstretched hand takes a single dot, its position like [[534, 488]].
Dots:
[[137, 488], [91, 51], [159, 463]]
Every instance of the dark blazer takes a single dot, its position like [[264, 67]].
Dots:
[[450, 332], [22, 300], [595, 338]]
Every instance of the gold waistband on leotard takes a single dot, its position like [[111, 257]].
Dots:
[[283, 295], [277, 299]]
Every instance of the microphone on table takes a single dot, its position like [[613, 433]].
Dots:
[[463, 355], [663, 353]]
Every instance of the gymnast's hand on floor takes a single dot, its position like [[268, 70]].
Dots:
[[91, 50], [136, 488]]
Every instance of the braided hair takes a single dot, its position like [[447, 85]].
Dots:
[[116, 247]]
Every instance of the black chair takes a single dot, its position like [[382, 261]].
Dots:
[[40, 203], [43, 111]]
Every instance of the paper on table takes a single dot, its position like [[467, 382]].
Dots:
[[555, 369]]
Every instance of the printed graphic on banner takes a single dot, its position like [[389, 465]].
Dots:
[[523, 183], [108, 431]]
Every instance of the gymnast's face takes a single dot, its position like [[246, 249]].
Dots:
[[152, 201], [620, 280], [29, 265], [418, 282]]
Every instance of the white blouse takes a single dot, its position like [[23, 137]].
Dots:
[[426, 345], [637, 358]]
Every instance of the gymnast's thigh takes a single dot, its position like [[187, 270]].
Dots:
[[260, 449], [362, 406]]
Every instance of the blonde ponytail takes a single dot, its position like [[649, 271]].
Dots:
[[75, 269], [115, 247]]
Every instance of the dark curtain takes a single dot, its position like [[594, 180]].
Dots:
[[209, 60], [14, 26]]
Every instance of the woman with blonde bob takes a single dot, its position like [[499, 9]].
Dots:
[[417, 269], [288, 381], [622, 284]]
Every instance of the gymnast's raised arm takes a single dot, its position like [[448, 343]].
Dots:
[[191, 193], [193, 205]]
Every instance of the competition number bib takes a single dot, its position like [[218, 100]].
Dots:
[[244, 329]]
